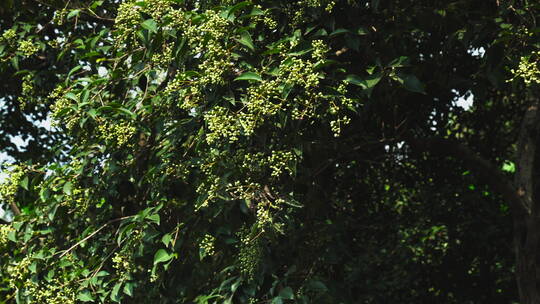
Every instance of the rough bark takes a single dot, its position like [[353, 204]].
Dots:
[[526, 226]]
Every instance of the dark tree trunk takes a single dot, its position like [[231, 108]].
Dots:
[[527, 264], [526, 209]]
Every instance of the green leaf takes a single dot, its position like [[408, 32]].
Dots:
[[92, 113], [162, 256], [85, 94], [154, 218], [15, 62], [102, 273], [85, 296], [509, 167], [44, 194], [245, 39], [286, 293], [353, 79], [249, 76], [96, 4], [12, 236], [338, 32], [233, 9], [166, 239], [115, 291], [150, 25], [286, 90], [277, 300], [52, 212], [24, 183], [127, 112], [128, 289], [413, 84], [235, 285], [71, 72], [33, 267], [317, 286], [399, 62], [67, 188], [71, 96], [361, 31], [73, 13], [367, 83]]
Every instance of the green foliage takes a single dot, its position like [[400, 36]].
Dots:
[[249, 152]]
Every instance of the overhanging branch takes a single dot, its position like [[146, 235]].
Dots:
[[483, 169]]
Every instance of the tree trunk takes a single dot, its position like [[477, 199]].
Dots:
[[526, 243], [525, 210]]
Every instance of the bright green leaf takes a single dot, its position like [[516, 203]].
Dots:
[[249, 76], [24, 183], [73, 13], [162, 256], [128, 289], [150, 24], [85, 296], [245, 39], [68, 186]]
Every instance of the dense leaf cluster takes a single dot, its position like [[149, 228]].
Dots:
[[253, 151]]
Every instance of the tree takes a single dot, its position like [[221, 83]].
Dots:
[[304, 151]]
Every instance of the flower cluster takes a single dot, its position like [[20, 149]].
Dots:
[[191, 95], [77, 200], [263, 216], [280, 161], [9, 188], [207, 39], [117, 133], [28, 47], [299, 14], [300, 72], [207, 245], [27, 90], [208, 36], [243, 190], [528, 69], [9, 35], [221, 124], [5, 230], [264, 98], [122, 263], [126, 22], [164, 58], [53, 292], [320, 49], [59, 16], [337, 124], [19, 271], [62, 111], [157, 9], [250, 254]]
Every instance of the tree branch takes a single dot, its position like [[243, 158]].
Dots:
[[15, 209], [483, 169]]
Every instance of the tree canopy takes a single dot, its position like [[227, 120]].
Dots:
[[307, 151]]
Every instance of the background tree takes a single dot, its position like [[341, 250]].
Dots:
[[271, 151]]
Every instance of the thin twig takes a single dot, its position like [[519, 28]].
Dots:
[[92, 234]]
